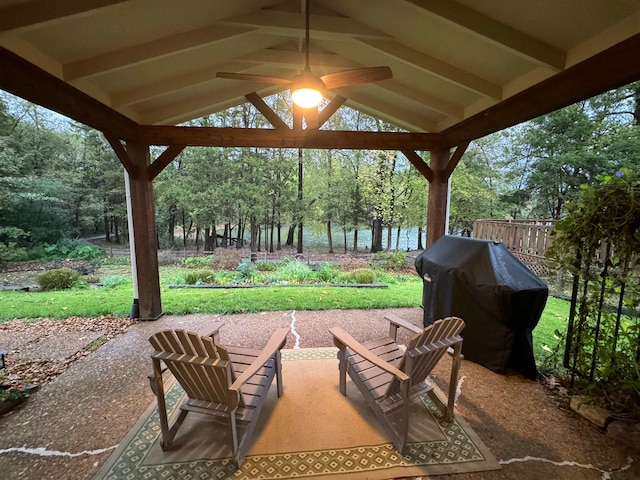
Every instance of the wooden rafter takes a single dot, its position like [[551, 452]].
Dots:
[[24, 79], [271, 138], [164, 159], [273, 118], [611, 68], [418, 162]]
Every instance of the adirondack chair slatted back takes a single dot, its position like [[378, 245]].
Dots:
[[426, 350], [201, 366]]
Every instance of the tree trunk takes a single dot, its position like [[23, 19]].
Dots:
[[344, 234], [389, 230], [398, 240], [226, 235], [329, 238], [116, 230], [107, 229], [208, 240], [171, 226], [376, 237], [279, 239], [299, 248], [255, 234], [292, 229], [197, 238], [355, 239], [240, 235], [420, 245]]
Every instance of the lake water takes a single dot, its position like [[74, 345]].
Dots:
[[318, 239]]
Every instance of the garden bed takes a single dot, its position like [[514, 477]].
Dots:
[[262, 285]]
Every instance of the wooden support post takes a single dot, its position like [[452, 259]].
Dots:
[[437, 210], [144, 234], [442, 163]]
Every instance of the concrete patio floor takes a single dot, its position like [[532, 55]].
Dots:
[[68, 429]]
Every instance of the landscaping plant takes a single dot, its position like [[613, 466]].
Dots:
[[599, 243]]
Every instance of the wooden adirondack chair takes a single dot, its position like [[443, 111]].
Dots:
[[389, 376], [224, 381]]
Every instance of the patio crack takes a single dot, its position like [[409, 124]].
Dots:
[[293, 330], [605, 474], [43, 452]]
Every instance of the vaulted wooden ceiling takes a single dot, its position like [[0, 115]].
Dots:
[[461, 68]]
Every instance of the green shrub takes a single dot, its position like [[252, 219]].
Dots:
[[199, 276], [198, 262], [91, 278], [59, 279], [294, 271], [226, 259], [264, 266], [394, 261], [88, 252], [121, 260], [59, 250], [112, 281], [344, 277], [9, 252], [326, 272], [366, 275], [247, 270], [225, 277]]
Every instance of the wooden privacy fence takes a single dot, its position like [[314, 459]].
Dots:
[[528, 237]]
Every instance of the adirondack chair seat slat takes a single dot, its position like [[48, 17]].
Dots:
[[217, 409], [389, 375], [214, 383]]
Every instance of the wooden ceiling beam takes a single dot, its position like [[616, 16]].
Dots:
[[21, 78], [433, 66], [418, 162], [526, 46], [611, 68], [28, 14], [164, 159], [184, 81], [291, 24], [149, 51], [272, 117], [295, 59], [330, 109], [280, 138]]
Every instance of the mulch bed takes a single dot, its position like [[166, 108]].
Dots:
[[22, 369]]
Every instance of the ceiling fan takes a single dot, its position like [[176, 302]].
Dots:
[[307, 89]]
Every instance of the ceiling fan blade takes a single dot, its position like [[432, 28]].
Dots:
[[254, 78], [355, 76]]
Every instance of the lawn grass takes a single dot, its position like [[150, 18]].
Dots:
[[404, 291], [93, 302]]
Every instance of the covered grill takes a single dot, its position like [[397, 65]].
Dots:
[[497, 296]]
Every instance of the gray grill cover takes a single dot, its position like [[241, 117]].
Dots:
[[497, 296]]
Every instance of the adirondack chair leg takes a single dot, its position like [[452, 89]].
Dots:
[[157, 386], [278, 367], [453, 381], [234, 437], [342, 366]]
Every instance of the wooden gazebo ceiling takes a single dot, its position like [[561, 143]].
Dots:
[[461, 68]]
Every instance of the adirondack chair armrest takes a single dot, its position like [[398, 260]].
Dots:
[[275, 343], [343, 339], [215, 330], [396, 322]]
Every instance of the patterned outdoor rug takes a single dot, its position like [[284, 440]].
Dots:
[[312, 431]]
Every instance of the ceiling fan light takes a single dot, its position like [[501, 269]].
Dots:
[[306, 97], [306, 90]]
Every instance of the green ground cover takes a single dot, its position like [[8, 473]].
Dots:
[[115, 298]]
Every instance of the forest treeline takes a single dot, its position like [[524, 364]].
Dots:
[[59, 181]]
